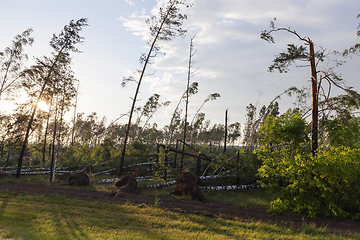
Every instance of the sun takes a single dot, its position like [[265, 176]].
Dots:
[[43, 106]]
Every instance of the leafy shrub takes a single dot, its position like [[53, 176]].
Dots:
[[327, 184], [343, 132]]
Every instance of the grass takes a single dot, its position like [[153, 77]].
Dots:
[[36, 179], [24, 216], [247, 198]]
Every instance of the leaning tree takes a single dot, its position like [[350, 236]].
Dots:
[[11, 60], [165, 27], [62, 45]]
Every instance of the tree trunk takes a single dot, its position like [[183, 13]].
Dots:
[[53, 147], [73, 130], [226, 122], [45, 136], [8, 155], [46, 132], [137, 92], [186, 104], [314, 90], [57, 148]]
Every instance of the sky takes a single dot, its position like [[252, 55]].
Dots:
[[230, 57]]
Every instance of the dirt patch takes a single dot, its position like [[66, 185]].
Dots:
[[194, 206]]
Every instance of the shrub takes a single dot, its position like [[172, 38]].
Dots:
[[327, 184]]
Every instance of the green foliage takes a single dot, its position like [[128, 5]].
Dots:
[[35, 154], [138, 148], [105, 150], [286, 131], [82, 154], [356, 48], [234, 132], [327, 184], [11, 61], [344, 133], [161, 165], [285, 59], [76, 155]]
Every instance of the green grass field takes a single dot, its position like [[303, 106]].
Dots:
[[24, 216]]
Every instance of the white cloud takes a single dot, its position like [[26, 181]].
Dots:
[[130, 2], [167, 85], [231, 57], [136, 24]]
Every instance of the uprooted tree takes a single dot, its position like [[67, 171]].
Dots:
[[165, 27]]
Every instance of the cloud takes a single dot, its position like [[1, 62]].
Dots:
[[130, 2], [136, 24], [231, 57], [166, 85]]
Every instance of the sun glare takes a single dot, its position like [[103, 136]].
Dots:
[[43, 106]]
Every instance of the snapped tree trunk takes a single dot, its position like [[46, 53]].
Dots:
[[314, 90], [187, 102], [226, 123]]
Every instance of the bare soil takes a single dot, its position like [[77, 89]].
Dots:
[[210, 209]]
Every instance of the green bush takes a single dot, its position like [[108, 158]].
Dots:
[[343, 132], [327, 184]]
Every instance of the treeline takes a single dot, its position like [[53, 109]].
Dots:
[[96, 135]]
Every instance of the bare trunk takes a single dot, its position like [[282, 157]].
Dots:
[[57, 149], [186, 103], [53, 146], [314, 90], [8, 155], [59, 137], [45, 138], [73, 130], [45, 134], [226, 122]]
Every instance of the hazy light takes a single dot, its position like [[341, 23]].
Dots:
[[43, 106]]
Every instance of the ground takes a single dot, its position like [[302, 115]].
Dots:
[[186, 206]]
